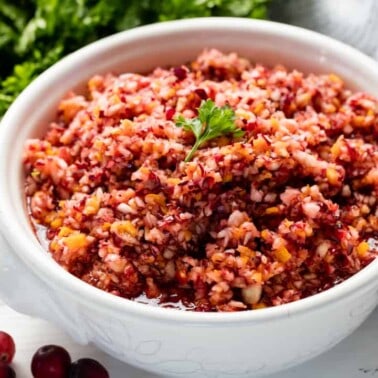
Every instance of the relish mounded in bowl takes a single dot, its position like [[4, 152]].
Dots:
[[282, 212], [151, 337]]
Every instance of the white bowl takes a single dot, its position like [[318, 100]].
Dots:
[[167, 341]]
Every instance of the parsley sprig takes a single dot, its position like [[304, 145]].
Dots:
[[34, 34], [212, 122]]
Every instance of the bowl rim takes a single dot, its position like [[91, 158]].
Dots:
[[47, 270]]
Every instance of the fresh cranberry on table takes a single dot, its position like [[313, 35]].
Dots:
[[87, 368], [50, 361], [7, 348], [6, 371]]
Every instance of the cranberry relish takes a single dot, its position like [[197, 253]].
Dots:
[[282, 213]]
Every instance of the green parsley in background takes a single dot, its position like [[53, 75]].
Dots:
[[34, 34]]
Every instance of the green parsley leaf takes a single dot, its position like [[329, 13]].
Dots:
[[34, 34], [212, 122]]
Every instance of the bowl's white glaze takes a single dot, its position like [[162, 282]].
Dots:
[[164, 341]]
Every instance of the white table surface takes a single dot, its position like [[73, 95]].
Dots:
[[355, 357]]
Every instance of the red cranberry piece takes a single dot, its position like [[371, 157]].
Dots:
[[87, 368], [50, 361], [180, 73], [6, 371], [7, 348], [169, 114], [201, 93]]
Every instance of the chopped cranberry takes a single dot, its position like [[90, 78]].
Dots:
[[87, 368], [153, 181], [201, 93], [6, 371], [208, 182], [169, 114], [7, 348], [180, 73], [250, 126], [50, 361]]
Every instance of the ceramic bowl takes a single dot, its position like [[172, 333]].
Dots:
[[167, 341]]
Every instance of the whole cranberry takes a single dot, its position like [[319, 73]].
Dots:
[[6, 371], [7, 348], [50, 361], [87, 368]]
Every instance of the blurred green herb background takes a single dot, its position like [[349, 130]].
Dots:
[[34, 34]]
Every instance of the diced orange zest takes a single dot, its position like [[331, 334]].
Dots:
[[282, 255], [187, 235], [50, 217], [92, 205], [124, 226], [237, 233], [258, 108], [56, 223], [362, 249], [257, 276], [35, 173], [173, 181], [334, 78], [76, 241], [332, 176], [275, 124], [335, 149], [365, 120], [303, 99], [260, 144], [245, 251], [272, 210], [54, 245], [244, 259], [265, 234], [65, 231], [153, 199], [217, 257], [106, 226], [259, 306]]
